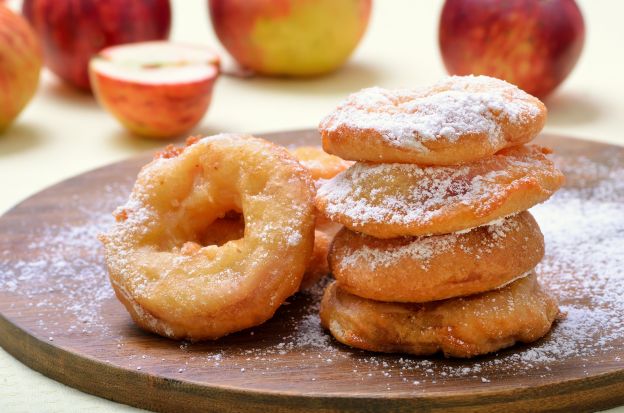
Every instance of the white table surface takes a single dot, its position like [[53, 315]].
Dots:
[[63, 132]]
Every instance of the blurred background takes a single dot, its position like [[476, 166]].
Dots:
[[64, 131]]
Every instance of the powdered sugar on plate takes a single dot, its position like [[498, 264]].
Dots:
[[454, 107], [70, 258]]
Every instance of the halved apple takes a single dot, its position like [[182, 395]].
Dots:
[[155, 89]]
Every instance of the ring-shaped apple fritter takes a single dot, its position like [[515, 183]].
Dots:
[[174, 286]]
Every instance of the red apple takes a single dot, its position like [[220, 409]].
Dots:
[[155, 89], [533, 44], [20, 64], [290, 37], [72, 31]]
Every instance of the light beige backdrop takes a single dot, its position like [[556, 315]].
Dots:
[[63, 132]]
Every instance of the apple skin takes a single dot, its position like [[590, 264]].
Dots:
[[71, 31], [20, 64], [290, 37], [159, 111], [533, 44]]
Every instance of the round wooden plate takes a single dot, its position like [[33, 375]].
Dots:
[[59, 316]]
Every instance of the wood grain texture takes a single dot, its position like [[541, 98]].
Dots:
[[277, 367]]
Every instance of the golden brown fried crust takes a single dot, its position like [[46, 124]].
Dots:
[[459, 327], [367, 146], [320, 164], [318, 267], [395, 200], [232, 228], [358, 128], [160, 267], [437, 267]]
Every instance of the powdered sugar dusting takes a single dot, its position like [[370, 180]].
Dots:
[[69, 257], [64, 278], [409, 194], [454, 107], [346, 194], [423, 249]]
